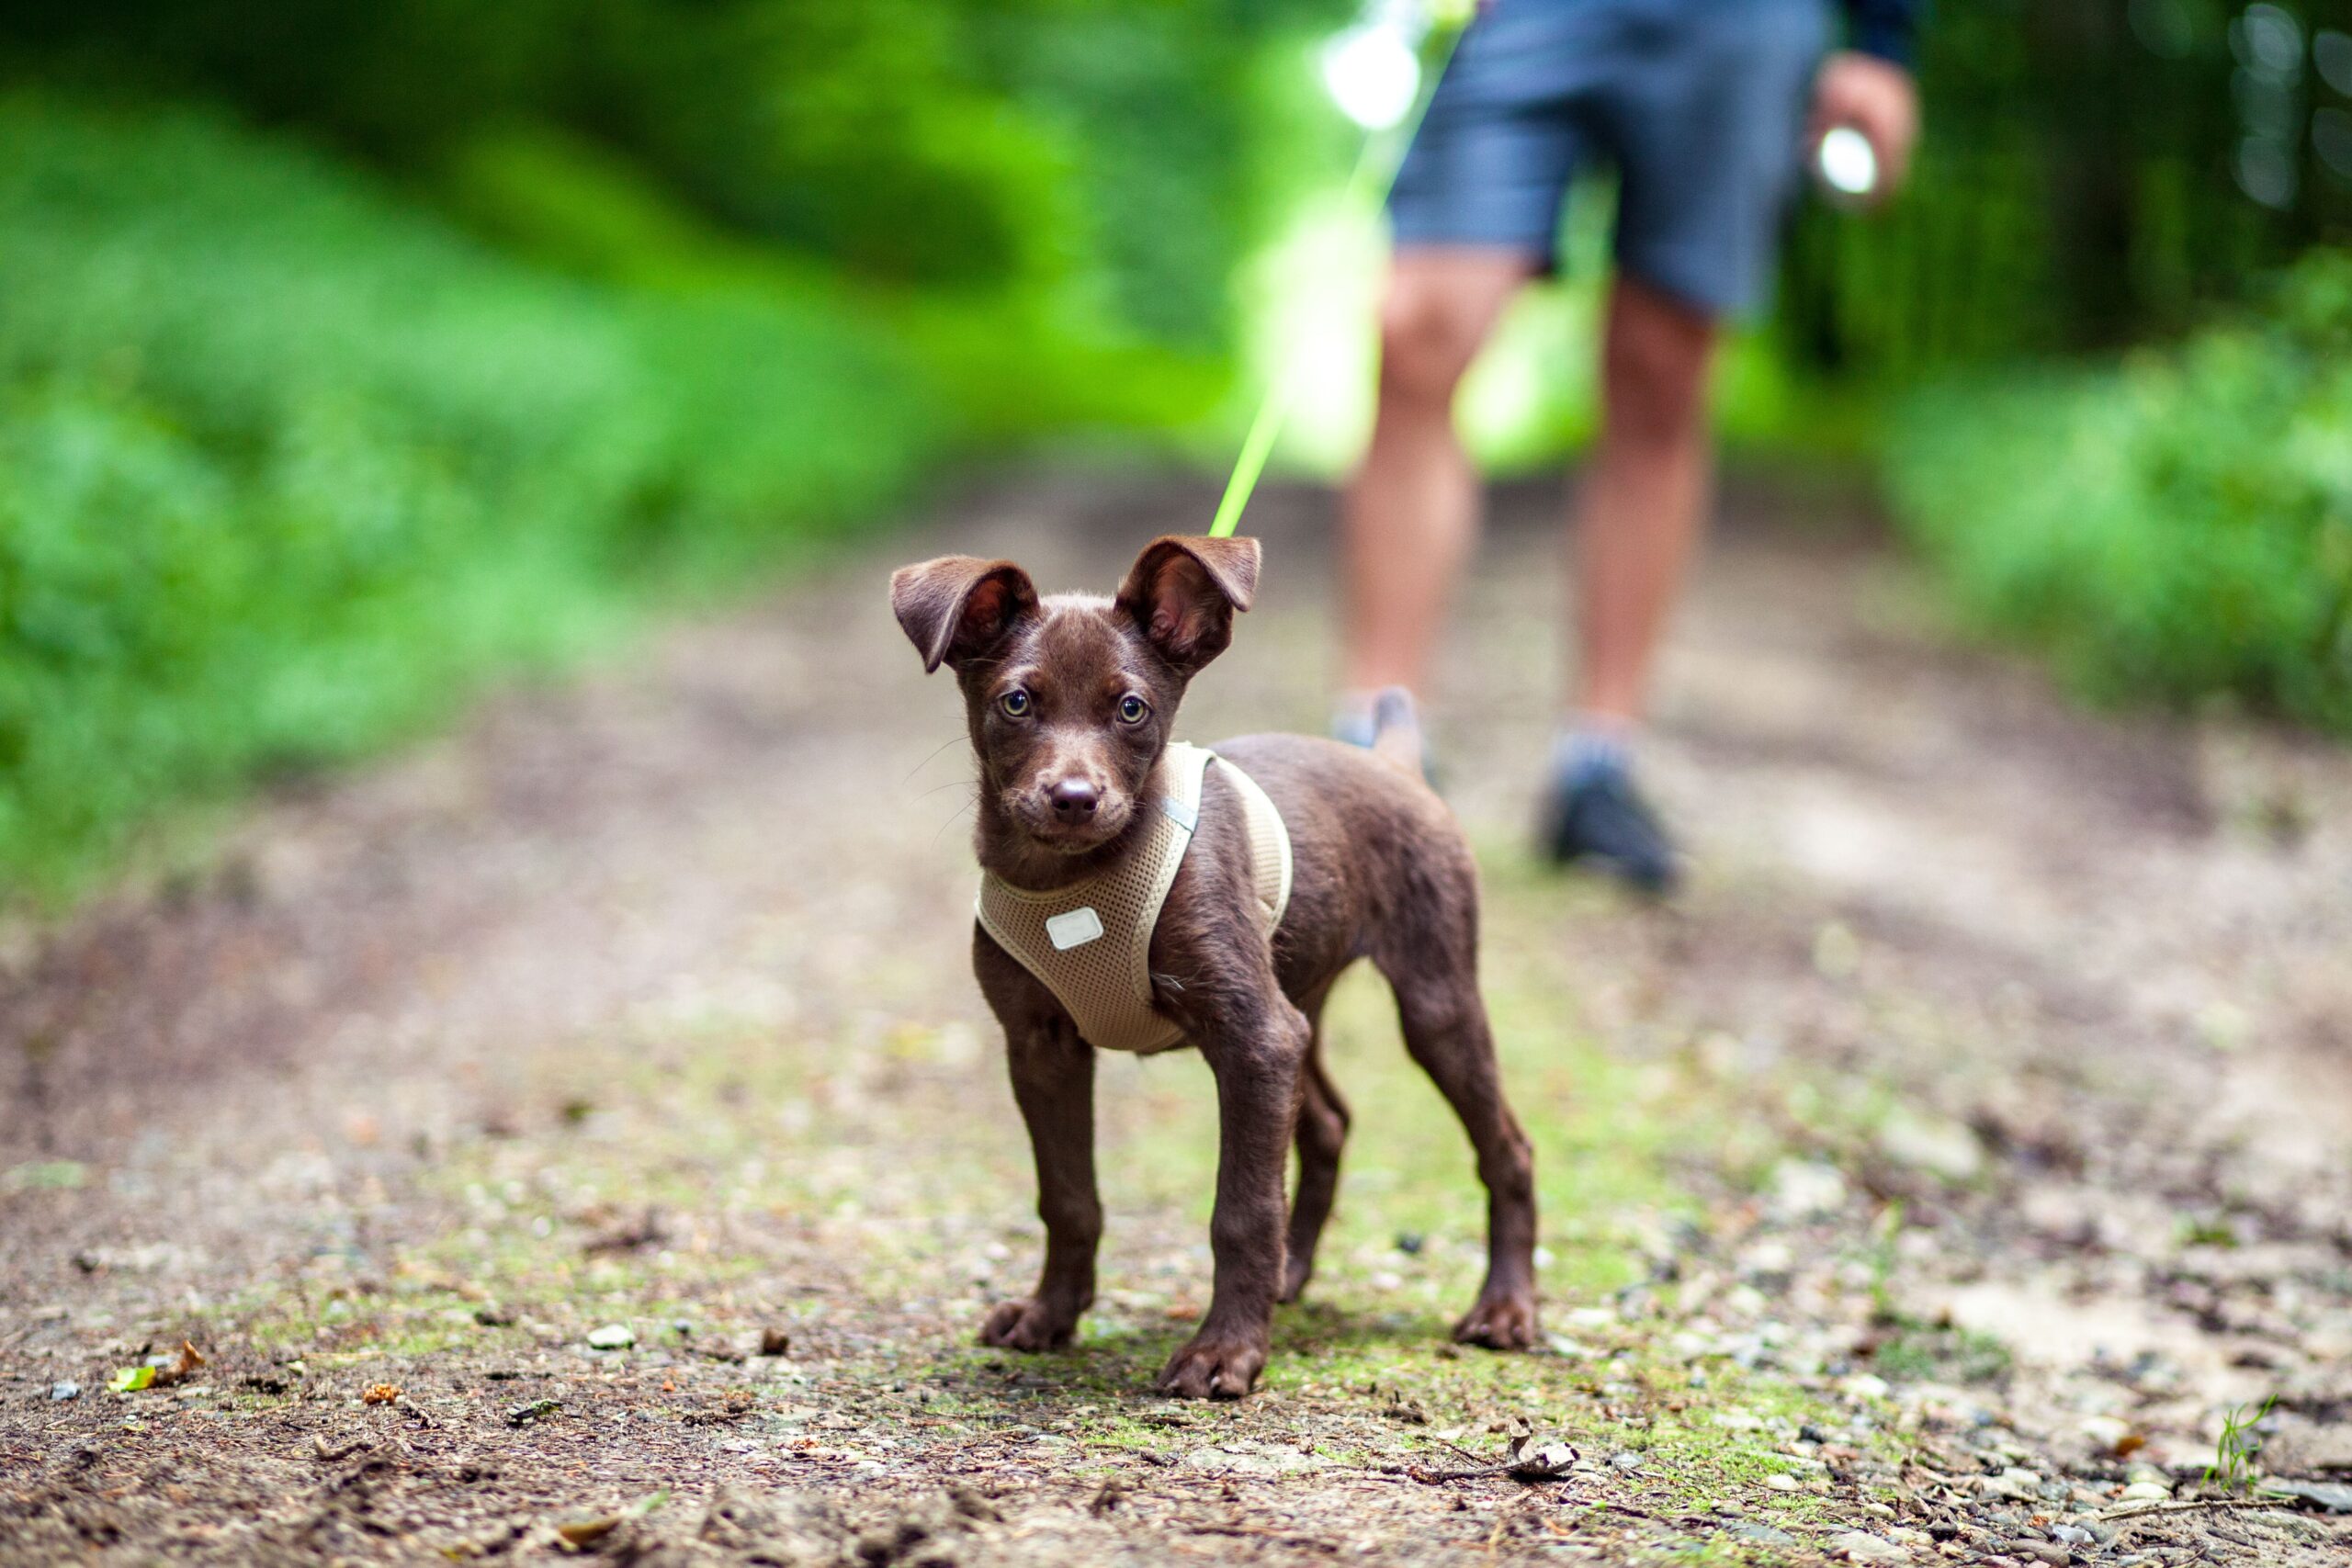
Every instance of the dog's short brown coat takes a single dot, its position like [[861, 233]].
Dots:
[[1381, 872]]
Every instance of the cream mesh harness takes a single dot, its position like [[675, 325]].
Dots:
[[1090, 943]]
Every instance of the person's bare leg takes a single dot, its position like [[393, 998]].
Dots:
[[1646, 499], [1411, 511]]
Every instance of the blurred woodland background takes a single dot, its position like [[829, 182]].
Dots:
[[353, 356]]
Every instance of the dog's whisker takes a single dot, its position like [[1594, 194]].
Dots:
[[932, 756]]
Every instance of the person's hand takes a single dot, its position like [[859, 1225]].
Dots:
[[1876, 97]]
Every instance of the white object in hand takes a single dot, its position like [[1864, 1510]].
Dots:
[[1846, 165]]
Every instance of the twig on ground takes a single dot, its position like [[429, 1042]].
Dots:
[[1205, 1527], [1438, 1477], [2191, 1505], [1547, 1461]]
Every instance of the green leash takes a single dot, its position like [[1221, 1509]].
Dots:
[[1375, 172]]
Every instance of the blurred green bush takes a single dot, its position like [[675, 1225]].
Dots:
[[285, 465], [1017, 365], [2178, 528], [1101, 148]]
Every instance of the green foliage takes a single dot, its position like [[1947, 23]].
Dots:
[[1092, 147], [284, 466], [2178, 528], [1151, 104], [1016, 364]]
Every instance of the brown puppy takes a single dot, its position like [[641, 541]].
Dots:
[[1070, 702]]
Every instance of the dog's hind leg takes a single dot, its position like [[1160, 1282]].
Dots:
[[1444, 1024], [1322, 1132]]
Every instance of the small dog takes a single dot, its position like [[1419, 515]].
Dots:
[[1070, 701]]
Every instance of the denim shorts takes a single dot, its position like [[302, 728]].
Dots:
[[1698, 104]]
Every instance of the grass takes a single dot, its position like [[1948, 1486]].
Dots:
[[2236, 1467], [1923, 1352]]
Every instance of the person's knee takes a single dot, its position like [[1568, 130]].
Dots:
[[1653, 367], [1427, 337]]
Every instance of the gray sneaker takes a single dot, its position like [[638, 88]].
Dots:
[[1595, 816]]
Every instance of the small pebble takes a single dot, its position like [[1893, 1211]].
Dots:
[[2017, 1485], [1780, 1482], [61, 1392], [611, 1336], [2145, 1492], [1625, 1458], [1857, 1545]]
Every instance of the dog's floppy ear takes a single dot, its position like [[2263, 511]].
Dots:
[[958, 607], [1182, 592]]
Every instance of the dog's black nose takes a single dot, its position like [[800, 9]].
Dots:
[[1075, 799]]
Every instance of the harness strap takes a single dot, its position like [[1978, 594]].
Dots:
[[1089, 943]]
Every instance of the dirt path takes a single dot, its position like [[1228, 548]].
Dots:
[[1965, 1145]]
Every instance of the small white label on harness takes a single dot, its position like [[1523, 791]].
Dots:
[[1074, 928]]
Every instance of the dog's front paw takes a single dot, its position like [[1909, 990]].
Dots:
[[1502, 1321], [1028, 1324], [1214, 1366]]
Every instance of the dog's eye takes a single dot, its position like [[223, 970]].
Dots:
[[1132, 709], [1015, 704]]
